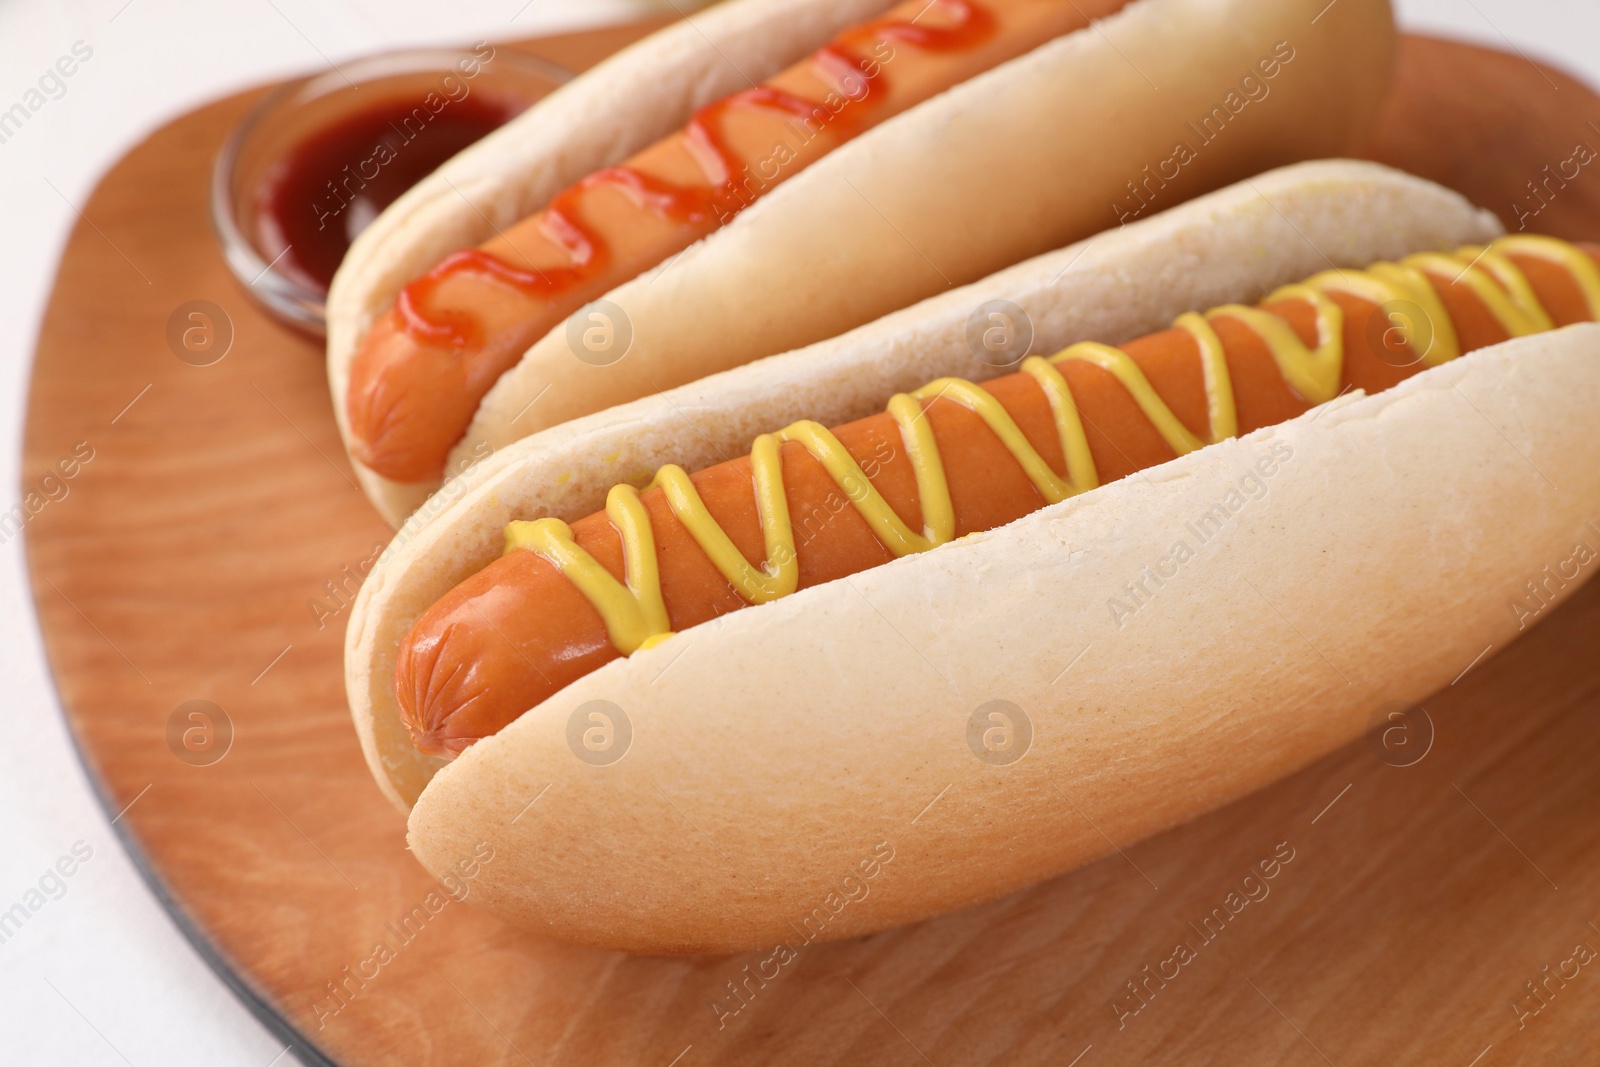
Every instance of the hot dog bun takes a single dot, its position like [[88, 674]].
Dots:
[[791, 743], [779, 752], [977, 178]]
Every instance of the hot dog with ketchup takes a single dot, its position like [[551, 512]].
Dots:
[[795, 680], [421, 370]]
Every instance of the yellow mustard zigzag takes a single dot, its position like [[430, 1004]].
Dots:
[[636, 616]]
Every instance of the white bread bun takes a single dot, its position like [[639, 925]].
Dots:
[[1021, 159], [779, 757], [980, 610]]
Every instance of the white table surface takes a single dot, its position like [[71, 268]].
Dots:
[[101, 975]]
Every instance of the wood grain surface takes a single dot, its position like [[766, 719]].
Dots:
[[188, 558]]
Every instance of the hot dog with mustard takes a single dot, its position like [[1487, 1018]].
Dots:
[[796, 642]]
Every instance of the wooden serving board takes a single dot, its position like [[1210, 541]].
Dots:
[[190, 554]]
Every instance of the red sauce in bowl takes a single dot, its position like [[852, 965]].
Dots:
[[315, 201]]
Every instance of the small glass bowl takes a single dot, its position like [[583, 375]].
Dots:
[[293, 115]]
